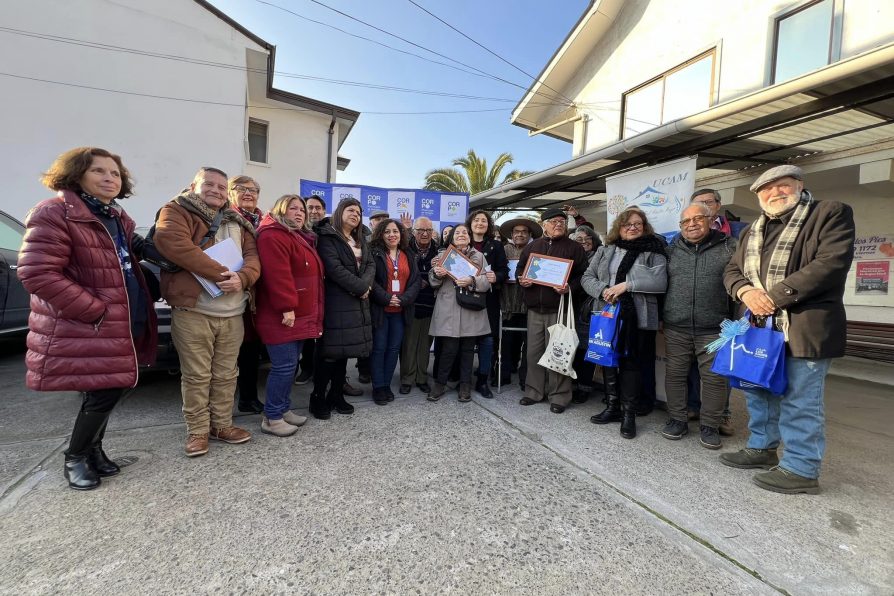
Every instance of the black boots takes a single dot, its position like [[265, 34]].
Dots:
[[612, 411], [336, 400], [85, 461], [79, 473], [482, 387], [628, 422], [629, 389], [319, 406]]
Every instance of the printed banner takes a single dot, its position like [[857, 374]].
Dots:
[[872, 277], [880, 246], [662, 192], [442, 208]]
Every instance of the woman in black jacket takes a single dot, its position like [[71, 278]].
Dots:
[[497, 271], [395, 289], [347, 324]]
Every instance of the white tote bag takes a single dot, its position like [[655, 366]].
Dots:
[[563, 341]]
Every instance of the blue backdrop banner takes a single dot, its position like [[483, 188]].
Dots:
[[441, 207]]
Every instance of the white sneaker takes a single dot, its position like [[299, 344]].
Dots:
[[293, 418], [279, 428]]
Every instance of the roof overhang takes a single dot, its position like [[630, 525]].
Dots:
[[540, 107], [346, 118], [845, 105]]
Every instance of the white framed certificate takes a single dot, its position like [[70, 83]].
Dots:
[[548, 271], [458, 265]]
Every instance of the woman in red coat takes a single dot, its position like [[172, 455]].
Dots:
[[92, 322], [289, 304]]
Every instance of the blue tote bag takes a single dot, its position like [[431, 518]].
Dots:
[[602, 340], [751, 357]]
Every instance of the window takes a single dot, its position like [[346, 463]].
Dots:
[[803, 40], [681, 91], [257, 141], [11, 233]]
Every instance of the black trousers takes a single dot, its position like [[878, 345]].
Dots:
[[451, 347], [248, 362], [90, 425], [513, 349], [307, 355], [329, 375]]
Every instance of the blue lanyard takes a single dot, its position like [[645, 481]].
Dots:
[[395, 262]]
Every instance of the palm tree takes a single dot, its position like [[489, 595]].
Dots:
[[474, 175]]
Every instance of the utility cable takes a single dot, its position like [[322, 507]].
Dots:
[[490, 51]]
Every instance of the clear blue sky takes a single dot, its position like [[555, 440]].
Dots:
[[397, 150]]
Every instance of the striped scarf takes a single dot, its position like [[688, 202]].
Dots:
[[781, 252]]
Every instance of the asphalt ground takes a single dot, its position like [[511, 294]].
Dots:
[[487, 497]]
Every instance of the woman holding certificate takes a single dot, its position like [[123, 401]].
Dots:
[[391, 303], [457, 320], [630, 270]]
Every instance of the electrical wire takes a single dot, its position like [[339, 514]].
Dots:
[[490, 51], [414, 44]]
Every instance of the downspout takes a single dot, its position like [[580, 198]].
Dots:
[[329, 151]]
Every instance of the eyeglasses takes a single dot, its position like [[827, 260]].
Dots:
[[632, 226], [557, 222], [696, 219], [423, 230], [246, 190]]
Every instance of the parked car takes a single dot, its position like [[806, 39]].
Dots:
[[14, 298]]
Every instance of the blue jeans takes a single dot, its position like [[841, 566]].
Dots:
[[283, 362], [796, 418], [387, 338], [485, 353]]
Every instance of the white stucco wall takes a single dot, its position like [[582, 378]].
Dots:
[[162, 142], [650, 37]]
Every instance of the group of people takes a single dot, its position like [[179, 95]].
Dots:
[[320, 290]]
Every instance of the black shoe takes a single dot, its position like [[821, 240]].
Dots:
[[352, 391], [318, 407], [424, 388], [493, 381], [556, 408], [674, 430], [100, 462], [527, 401], [608, 415], [580, 396], [304, 376], [253, 407], [365, 379], [404, 389], [710, 438], [389, 393], [340, 406], [482, 388], [628, 424], [80, 474], [380, 396]]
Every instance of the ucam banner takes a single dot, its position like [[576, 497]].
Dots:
[[441, 208], [662, 192]]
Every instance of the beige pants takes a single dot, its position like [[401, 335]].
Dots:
[[208, 347], [414, 353], [542, 383]]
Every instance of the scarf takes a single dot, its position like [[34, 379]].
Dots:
[[194, 204], [252, 216], [782, 252], [112, 209], [627, 342]]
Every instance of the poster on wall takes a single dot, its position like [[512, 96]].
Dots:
[[872, 278], [662, 192], [878, 246], [868, 280], [442, 208]]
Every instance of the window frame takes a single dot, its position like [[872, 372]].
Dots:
[[266, 126], [713, 52], [835, 33]]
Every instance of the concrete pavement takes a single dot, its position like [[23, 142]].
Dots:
[[418, 497]]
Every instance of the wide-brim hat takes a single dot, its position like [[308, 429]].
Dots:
[[773, 174], [379, 213], [506, 227]]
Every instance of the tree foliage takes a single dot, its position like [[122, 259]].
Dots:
[[471, 174]]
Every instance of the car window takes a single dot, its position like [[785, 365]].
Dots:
[[11, 233]]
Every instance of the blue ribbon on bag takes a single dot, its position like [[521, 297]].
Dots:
[[728, 331]]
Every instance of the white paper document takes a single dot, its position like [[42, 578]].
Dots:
[[227, 254]]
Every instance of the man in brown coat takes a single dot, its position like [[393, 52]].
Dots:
[[207, 330], [792, 263]]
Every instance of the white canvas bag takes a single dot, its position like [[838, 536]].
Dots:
[[563, 342]]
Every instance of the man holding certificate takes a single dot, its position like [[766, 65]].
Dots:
[[547, 268]]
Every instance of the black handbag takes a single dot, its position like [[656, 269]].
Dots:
[[470, 300]]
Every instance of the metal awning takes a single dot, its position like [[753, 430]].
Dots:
[[845, 105]]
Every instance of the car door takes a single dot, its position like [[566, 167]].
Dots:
[[14, 299]]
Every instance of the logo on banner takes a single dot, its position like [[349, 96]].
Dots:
[[403, 204], [428, 204], [650, 197], [374, 201]]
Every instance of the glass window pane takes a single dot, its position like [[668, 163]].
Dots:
[[257, 142], [10, 234], [688, 90], [803, 40], [642, 109]]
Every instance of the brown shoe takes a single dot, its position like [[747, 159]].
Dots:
[[350, 390], [196, 445], [726, 427], [232, 435]]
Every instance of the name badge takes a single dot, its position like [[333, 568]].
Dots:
[[395, 285]]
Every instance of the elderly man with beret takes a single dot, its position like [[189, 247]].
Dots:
[[792, 263]]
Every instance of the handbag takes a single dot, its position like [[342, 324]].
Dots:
[[559, 353], [602, 340], [470, 300], [152, 255], [751, 357]]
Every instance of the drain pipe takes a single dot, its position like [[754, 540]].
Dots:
[[329, 151]]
